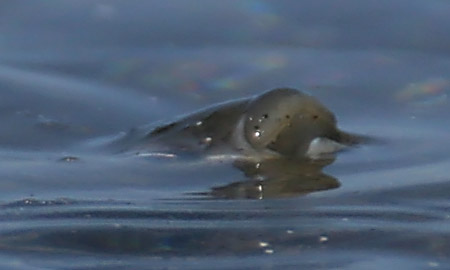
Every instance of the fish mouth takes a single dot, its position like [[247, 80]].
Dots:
[[326, 147], [322, 147]]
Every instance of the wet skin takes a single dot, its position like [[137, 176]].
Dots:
[[280, 139], [278, 123]]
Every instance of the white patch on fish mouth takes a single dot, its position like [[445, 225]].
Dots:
[[322, 146]]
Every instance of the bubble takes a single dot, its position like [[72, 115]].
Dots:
[[323, 238], [260, 188]]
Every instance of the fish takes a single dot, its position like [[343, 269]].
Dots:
[[279, 123], [280, 139]]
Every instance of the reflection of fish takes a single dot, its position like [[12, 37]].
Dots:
[[278, 123], [277, 178]]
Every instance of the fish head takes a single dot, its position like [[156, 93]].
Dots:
[[286, 121]]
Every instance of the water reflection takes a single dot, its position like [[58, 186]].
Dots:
[[277, 178]]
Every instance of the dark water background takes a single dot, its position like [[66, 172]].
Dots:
[[75, 72]]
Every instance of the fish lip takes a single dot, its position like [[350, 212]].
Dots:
[[322, 147]]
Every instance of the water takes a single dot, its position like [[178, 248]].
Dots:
[[79, 73]]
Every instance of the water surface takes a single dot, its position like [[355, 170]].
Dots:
[[79, 73]]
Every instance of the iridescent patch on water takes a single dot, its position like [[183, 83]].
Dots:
[[425, 94], [193, 76]]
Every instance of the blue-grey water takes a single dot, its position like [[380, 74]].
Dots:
[[75, 74]]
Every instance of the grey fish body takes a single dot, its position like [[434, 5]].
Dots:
[[278, 123]]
